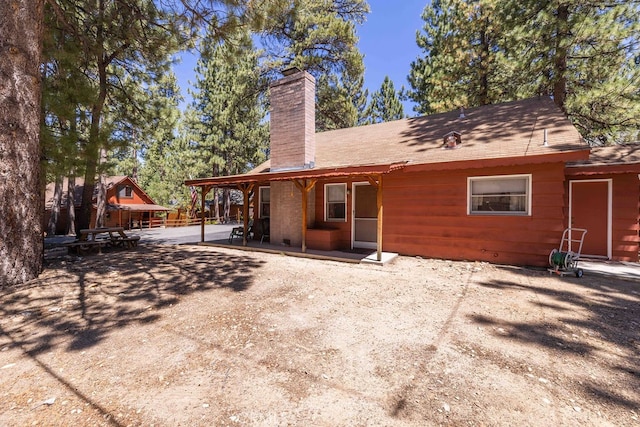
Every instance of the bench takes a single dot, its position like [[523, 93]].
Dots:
[[111, 236], [127, 242], [82, 247]]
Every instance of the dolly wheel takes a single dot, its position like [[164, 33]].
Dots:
[[579, 273]]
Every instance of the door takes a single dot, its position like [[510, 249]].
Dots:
[[365, 216], [590, 208]]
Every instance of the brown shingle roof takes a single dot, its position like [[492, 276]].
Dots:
[[608, 160], [512, 129], [612, 155], [508, 131]]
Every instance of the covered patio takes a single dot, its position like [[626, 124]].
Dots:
[[304, 180], [350, 256]]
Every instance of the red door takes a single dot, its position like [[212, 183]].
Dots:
[[590, 210]]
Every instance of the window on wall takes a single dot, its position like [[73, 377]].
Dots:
[[500, 195], [264, 200], [335, 196], [125, 191]]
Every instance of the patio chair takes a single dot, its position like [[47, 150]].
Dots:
[[239, 232], [265, 230]]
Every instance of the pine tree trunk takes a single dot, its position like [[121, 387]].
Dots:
[[100, 202], [216, 203], [560, 60], [101, 196], [227, 204], [55, 207], [71, 205], [92, 149], [22, 206]]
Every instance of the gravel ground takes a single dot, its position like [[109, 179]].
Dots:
[[185, 335]]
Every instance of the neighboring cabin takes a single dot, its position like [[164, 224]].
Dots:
[[496, 183], [128, 205]]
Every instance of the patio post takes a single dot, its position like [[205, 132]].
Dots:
[[304, 188], [246, 190], [378, 185]]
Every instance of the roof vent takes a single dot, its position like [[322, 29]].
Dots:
[[545, 142], [452, 140]]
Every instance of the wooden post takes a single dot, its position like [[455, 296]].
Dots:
[[378, 186], [304, 188], [246, 189]]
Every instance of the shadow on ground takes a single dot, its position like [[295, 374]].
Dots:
[[88, 297], [590, 317]]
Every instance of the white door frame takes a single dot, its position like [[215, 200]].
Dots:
[[609, 182], [354, 244]]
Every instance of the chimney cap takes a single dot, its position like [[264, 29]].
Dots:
[[290, 71]]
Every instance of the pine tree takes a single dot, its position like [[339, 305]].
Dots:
[[129, 40], [160, 173], [144, 142], [227, 125], [463, 63], [21, 210], [319, 36], [582, 54], [385, 104]]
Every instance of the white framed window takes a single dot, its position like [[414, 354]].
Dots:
[[264, 202], [125, 192], [335, 201], [499, 195]]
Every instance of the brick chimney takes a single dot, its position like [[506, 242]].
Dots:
[[293, 121]]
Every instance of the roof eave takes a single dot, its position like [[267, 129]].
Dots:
[[602, 169], [346, 171], [565, 156]]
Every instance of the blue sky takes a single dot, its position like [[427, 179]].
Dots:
[[387, 40]]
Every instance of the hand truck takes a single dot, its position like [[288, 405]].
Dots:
[[564, 260]]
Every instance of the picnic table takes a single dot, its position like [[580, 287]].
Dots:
[[96, 238]]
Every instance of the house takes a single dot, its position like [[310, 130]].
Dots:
[[496, 183], [128, 205]]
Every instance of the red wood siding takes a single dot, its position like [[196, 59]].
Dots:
[[137, 199], [626, 191], [343, 240], [624, 215], [426, 214]]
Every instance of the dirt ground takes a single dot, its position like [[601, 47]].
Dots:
[[201, 336]]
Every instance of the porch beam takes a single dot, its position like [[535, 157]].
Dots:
[[304, 187], [380, 216], [376, 181], [246, 189]]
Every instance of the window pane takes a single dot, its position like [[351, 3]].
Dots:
[[500, 195], [265, 195], [335, 193], [335, 203], [499, 186], [265, 198]]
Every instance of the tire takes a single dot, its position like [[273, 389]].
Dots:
[[579, 273]]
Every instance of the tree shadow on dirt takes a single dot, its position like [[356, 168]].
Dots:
[[589, 317], [79, 301]]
